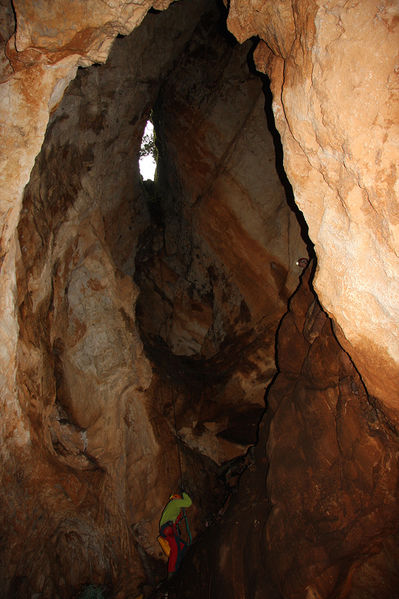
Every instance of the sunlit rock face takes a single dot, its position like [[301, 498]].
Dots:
[[333, 70], [316, 513]]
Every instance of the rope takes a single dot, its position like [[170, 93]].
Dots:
[[173, 397], [177, 441], [183, 511], [190, 539]]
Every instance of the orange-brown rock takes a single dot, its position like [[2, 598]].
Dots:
[[103, 404], [94, 458], [219, 263], [333, 71], [316, 514], [37, 64]]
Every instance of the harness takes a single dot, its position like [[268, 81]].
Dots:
[[162, 539]]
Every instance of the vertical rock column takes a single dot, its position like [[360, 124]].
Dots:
[[40, 53]]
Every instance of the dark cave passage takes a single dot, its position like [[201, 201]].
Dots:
[[219, 218]]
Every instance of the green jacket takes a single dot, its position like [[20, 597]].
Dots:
[[173, 508]]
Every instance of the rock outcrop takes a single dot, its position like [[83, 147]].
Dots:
[[334, 75], [316, 514]]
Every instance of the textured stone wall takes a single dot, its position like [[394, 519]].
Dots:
[[334, 74], [79, 503], [316, 514], [37, 64], [86, 428], [218, 264], [101, 457]]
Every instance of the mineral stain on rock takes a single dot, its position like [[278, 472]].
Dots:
[[182, 331]]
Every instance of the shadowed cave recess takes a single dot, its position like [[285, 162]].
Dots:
[[168, 336]]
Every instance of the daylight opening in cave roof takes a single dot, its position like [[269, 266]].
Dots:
[[147, 161]]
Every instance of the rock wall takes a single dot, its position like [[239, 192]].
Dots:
[[333, 71], [87, 424], [99, 417], [316, 514], [39, 547], [218, 264], [79, 500], [37, 64]]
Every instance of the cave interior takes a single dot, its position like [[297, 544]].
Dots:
[[170, 336]]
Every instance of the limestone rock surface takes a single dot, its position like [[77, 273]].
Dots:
[[334, 78], [219, 263], [316, 512], [92, 452], [35, 71], [137, 322]]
